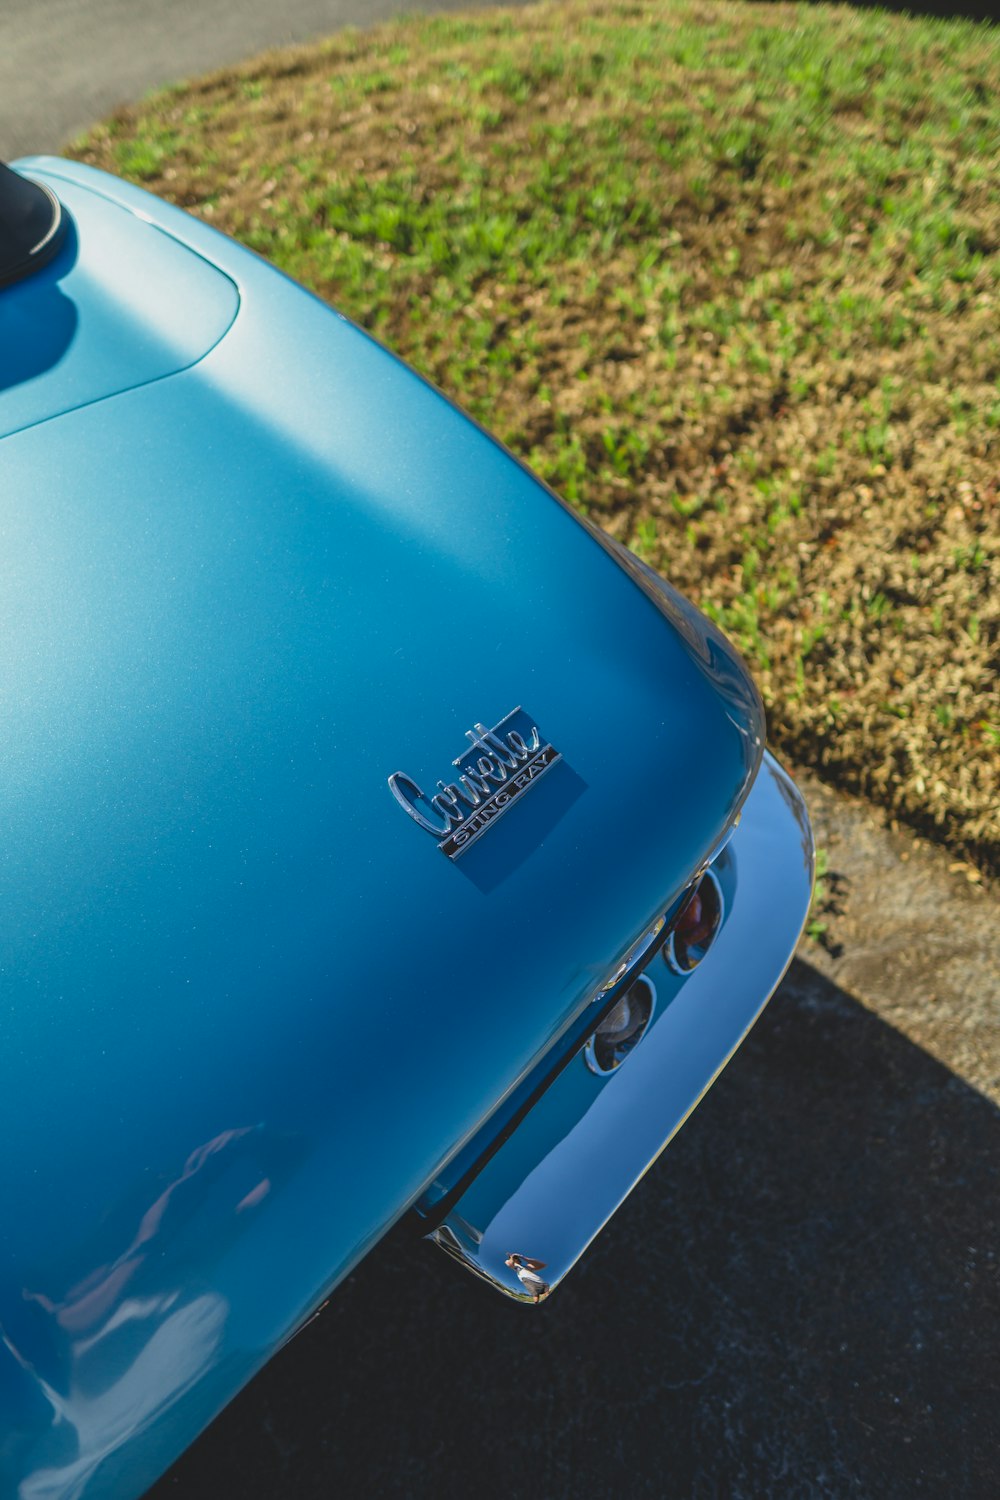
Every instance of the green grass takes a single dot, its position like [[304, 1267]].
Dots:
[[726, 275]]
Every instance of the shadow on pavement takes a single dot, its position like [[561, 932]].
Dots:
[[801, 1299]]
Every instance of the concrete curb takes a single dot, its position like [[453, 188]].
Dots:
[[912, 932]]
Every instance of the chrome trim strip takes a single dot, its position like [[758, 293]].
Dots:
[[630, 966], [588, 1140]]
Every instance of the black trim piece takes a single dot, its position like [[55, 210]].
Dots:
[[32, 226]]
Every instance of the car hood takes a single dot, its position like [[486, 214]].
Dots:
[[251, 1007]]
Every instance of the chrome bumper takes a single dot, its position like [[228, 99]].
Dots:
[[576, 1155]]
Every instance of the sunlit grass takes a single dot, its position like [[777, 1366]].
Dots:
[[726, 275]]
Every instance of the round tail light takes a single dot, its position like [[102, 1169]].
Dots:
[[622, 1028], [697, 926]]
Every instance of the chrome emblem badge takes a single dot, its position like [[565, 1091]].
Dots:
[[498, 768]]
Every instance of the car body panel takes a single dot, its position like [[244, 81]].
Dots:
[[135, 306], [251, 1011]]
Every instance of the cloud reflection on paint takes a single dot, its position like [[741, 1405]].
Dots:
[[125, 1340]]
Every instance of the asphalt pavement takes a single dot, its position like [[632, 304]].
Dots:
[[65, 63]]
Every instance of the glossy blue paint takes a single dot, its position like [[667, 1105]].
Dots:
[[234, 597]]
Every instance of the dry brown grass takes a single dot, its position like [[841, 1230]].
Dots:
[[726, 275]]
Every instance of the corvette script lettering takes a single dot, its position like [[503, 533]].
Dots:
[[500, 766]]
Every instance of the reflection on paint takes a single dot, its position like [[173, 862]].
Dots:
[[527, 1271], [175, 1353], [130, 1337]]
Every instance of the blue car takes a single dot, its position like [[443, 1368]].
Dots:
[[378, 837]]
